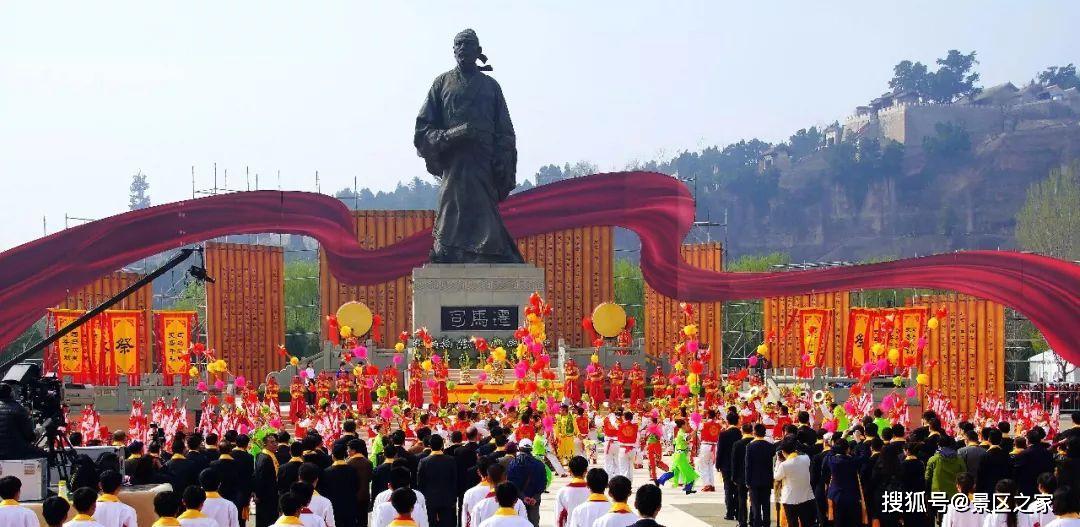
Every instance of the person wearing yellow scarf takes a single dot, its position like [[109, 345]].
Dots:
[[85, 502], [596, 504], [11, 513], [620, 514], [507, 497]]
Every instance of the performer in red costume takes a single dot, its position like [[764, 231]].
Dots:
[[636, 376], [711, 387], [416, 384], [440, 397], [596, 384], [363, 391], [297, 401], [270, 397], [618, 385], [571, 388], [342, 386], [659, 383]]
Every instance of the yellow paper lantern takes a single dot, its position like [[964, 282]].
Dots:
[[426, 365], [193, 372], [763, 349], [498, 354], [692, 378], [356, 316], [679, 366], [357, 371], [399, 347], [345, 332], [894, 354], [932, 323], [609, 319], [690, 330], [595, 359], [922, 379], [488, 368], [294, 360]]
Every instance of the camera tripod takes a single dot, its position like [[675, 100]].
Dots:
[[59, 453]]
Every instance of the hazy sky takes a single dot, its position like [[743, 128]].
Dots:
[[91, 92]]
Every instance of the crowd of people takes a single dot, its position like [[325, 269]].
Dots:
[[484, 464]]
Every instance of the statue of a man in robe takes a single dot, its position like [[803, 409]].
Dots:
[[467, 141]]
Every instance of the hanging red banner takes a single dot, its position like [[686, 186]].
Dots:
[[173, 330], [72, 350], [813, 324], [857, 350], [912, 327], [125, 333]]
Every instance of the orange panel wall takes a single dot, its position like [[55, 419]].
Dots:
[[577, 267], [664, 319], [785, 351], [246, 306], [108, 286], [969, 346]]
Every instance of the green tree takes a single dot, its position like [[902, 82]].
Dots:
[[1049, 222], [955, 77], [630, 291], [910, 77], [950, 142], [758, 263], [1062, 76], [805, 141], [302, 307], [139, 199]]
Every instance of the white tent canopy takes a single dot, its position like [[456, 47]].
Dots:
[[1049, 367]]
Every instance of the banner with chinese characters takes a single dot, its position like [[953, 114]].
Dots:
[[813, 323], [912, 327], [857, 350], [125, 333], [174, 337], [71, 351]]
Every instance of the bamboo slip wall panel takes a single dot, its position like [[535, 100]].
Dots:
[[780, 319], [969, 346], [577, 268], [664, 319], [246, 306], [107, 287]]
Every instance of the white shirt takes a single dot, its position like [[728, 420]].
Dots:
[[223, 511], [471, 498], [312, 520], [968, 518], [585, 514], [115, 514], [72, 523], [486, 508], [204, 521], [384, 497], [321, 506], [17, 516], [1023, 519], [506, 521], [566, 500], [384, 513], [616, 519], [794, 473]]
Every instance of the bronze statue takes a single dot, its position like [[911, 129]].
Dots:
[[467, 141]]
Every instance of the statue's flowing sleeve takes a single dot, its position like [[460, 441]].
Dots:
[[429, 137], [505, 169]]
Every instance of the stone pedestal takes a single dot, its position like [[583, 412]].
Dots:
[[463, 300]]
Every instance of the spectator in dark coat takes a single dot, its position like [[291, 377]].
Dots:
[[727, 441], [738, 474], [180, 471], [994, 466], [264, 483], [529, 475], [245, 470], [438, 481], [841, 474], [289, 472], [380, 475], [337, 483], [759, 476], [1035, 460]]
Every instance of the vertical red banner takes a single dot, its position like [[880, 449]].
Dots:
[[857, 350], [813, 324], [173, 331]]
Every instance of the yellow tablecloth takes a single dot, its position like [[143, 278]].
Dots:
[[492, 392]]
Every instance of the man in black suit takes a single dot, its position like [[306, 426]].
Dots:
[[380, 475], [211, 451], [289, 472], [195, 453], [995, 465], [467, 458], [727, 441], [647, 503], [1035, 460], [360, 464], [738, 473], [264, 483], [805, 434], [438, 479], [313, 451], [245, 469], [282, 452], [338, 484], [180, 471], [229, 472], [349, 433], [759, 476]]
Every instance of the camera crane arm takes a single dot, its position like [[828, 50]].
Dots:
[[184, 254]]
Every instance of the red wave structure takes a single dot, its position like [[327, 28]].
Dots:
[[658, 208]]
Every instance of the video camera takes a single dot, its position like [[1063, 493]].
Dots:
[[42, 396]]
